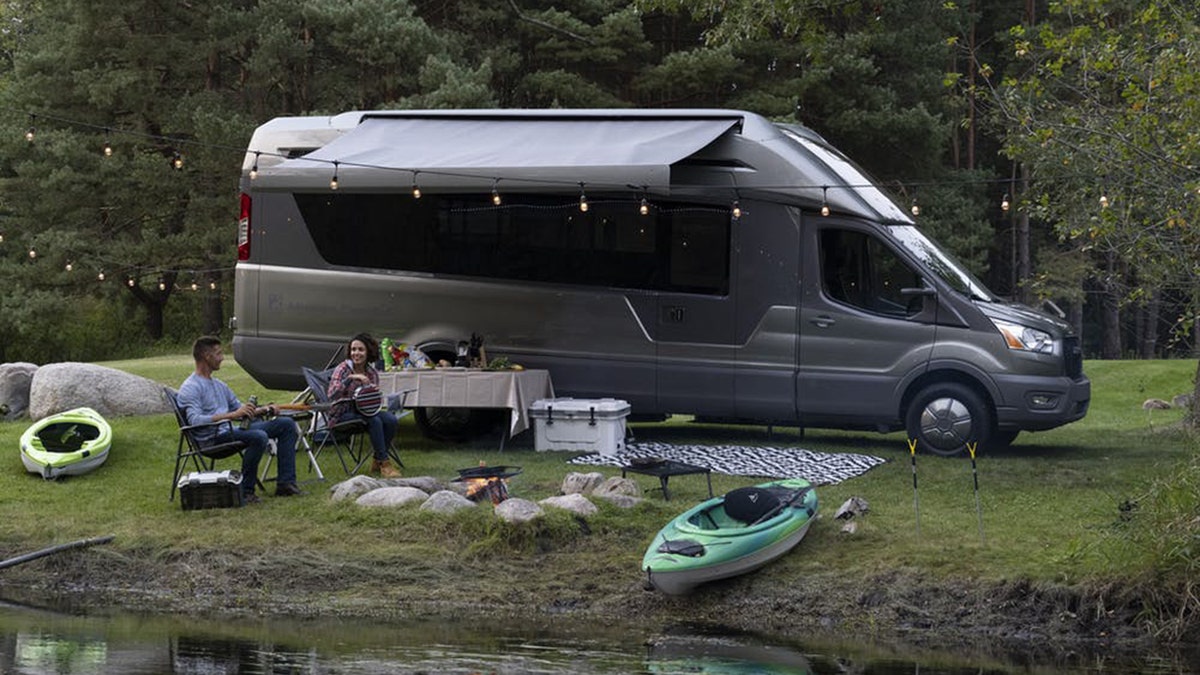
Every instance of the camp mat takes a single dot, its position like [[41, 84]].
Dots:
[[818, 468]]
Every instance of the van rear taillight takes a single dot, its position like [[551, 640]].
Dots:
[[244, 229]]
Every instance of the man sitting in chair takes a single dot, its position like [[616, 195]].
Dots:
[[206, 399]]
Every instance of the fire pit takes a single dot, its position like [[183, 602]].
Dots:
[[487, 482]]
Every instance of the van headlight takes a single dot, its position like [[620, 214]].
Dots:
[[1025, 338]]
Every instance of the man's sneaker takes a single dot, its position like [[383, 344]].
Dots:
[[287, 490]]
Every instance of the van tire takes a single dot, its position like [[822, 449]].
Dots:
[[945, 417]]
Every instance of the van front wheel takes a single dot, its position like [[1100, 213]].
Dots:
[[945, 417]]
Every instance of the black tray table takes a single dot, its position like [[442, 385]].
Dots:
[[667, 468]]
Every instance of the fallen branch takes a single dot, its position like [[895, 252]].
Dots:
[[82, 543]]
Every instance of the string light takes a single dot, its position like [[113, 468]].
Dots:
[[162, 285], [195, 286], [212, 285], [416, 190], [915, 208], [108, 150], [177, 161], [69, 267], [1103, 200], [333, 182], [32, 254], [644, 208], [495, 192], [824, 201], [254, 167], [583, 204], [130, 282], [737, 210], [1004, 203], [100, 276], [1, 238], [29, 133]]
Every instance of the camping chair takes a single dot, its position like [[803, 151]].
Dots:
[[302, 445], [204, 457], [348, 437]]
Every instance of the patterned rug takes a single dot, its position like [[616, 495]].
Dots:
[[818, 468]]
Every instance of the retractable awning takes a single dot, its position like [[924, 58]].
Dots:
[[521, 153]]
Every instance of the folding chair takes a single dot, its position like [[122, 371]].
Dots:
[[348, 437], [204, 457], [302, 444]]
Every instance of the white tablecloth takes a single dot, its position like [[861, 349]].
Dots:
[[462, 388]]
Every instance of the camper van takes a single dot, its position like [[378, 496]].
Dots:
[[700, 262]]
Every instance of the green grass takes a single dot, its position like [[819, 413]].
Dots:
[[1051, 505]]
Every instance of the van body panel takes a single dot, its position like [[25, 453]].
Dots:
[[730, 296]]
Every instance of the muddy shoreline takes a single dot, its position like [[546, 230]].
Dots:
[[1006, 621]]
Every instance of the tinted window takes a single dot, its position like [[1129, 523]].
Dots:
[[859, 270], [676, 247]]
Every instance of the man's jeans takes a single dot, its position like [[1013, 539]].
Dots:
[[283, 430]]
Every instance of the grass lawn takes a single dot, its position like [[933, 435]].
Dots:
[[1052, 505]]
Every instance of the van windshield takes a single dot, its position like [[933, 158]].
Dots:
[[940, 262]]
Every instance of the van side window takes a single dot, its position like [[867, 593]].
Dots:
[[677, 247], [859, 270]]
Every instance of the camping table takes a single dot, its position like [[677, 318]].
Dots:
[[466, 388], [669, 468]]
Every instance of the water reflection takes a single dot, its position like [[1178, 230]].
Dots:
[[39, 641]]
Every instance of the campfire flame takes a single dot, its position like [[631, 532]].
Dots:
[[493, 488]]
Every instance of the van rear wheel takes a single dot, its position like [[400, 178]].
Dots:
[[945, 417]]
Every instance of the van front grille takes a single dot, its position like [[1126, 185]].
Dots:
[[1073, 356]]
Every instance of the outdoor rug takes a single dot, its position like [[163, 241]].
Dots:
[[818, 468]]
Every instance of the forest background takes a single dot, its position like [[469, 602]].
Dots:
[[1052, 146]]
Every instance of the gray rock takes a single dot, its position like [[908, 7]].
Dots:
[[1182, 401], [617, 486], [574, 502], [620, 501], [1155, 404], [581, 483], [517, 510], [446, 501], [354, 487], [15, 379], [64, 386], [392, 496], [426, 484]]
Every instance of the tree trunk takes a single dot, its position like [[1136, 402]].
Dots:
[[213, 309], [1110, 339], [1024, 264], [1148, 332]]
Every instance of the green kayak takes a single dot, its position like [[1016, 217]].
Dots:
[[729, 535], [67, 444]]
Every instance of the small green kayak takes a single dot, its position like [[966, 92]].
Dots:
[[729, 535], [67, 444]]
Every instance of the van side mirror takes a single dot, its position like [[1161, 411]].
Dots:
[[916, 305]]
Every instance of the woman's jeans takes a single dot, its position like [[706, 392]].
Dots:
[[381, 428]]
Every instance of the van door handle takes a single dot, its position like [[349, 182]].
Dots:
[[823, 321]]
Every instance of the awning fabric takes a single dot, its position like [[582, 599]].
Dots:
[[521, 153]]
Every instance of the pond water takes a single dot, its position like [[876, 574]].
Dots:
[[38, 640]]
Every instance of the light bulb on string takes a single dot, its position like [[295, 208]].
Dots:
[[31, 131], [254, 167], [824, 201], [195, 286], [495, 192], [212, 285], [177, 161], [333, 182], [583, 202], [644, 207], [162, 285], [915, 208], [736, 210], [1103, 200], [1005, 205], [69, 266], [416, 189], [108, 149], [130, 282], [1, 238], [32, 254], [100, 275]]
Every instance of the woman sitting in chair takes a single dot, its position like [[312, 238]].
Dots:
[[356, 378]]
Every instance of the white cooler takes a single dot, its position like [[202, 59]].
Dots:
[[579, 424]]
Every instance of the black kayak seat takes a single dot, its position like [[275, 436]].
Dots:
[[750, 504]]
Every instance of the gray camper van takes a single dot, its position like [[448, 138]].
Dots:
[[703, 262]]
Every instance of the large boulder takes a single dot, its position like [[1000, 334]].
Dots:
[[447, 501], [574, 502], [15, 379], [64, 386], [392, 496]]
